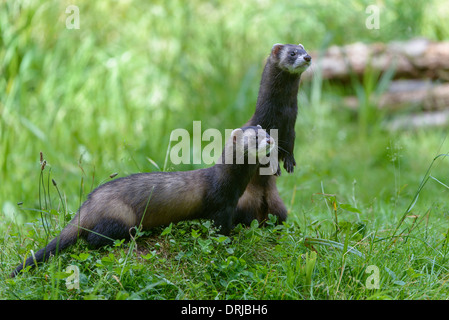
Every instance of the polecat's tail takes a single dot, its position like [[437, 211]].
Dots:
[[67, 237]]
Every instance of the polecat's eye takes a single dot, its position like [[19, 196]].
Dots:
[[292, 54]]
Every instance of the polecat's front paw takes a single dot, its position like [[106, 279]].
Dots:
[[289, 164]]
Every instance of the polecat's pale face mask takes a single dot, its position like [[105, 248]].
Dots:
[[292, 58]]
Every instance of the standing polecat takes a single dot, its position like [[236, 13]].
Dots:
[[159, 198], [276, 108]]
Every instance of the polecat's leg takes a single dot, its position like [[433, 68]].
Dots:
[[274, 202], [224, 218], [106, 231], [251, 203]]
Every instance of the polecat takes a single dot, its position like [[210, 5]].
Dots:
[[276, 108], [159, 198]]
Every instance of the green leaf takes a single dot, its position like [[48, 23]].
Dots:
[[350, 208], [61, 275], [81, 257], [195, 233], [167, 230]]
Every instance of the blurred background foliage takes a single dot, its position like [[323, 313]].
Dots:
[[104, 98]]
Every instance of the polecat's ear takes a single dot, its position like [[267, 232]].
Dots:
[[301, 45], [276, 49]]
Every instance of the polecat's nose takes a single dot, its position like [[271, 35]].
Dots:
[[307, 58]]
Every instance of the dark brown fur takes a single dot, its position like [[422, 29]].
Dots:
[[276, 108], [158, 198]]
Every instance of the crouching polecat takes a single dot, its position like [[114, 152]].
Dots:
[[276, 108], [159, 198]]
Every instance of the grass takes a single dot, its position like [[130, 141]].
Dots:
[[103, 100]]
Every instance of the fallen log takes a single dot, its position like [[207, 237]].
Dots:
[[412, 94], [419, 120], [416, 58]]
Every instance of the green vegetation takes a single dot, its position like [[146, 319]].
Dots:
[[103, 99]]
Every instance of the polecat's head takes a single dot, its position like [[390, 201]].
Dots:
[[252, 141], [291, 58]]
